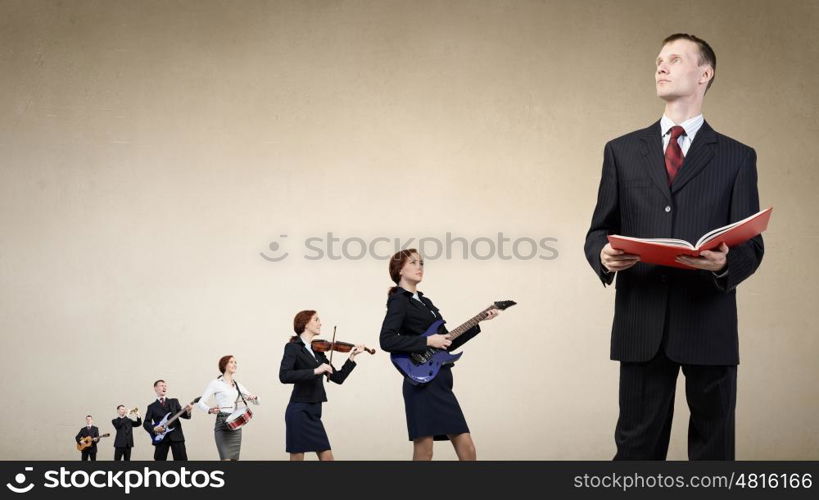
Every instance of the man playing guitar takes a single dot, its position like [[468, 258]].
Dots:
[[175, 439]]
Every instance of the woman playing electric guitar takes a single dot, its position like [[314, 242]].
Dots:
[[432, 411]]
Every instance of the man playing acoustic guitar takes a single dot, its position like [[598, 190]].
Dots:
[[89, 452]]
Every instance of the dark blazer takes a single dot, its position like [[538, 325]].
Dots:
[[297, 368], [94, 432], [407, 319], [716, 185], [125, 431], [156, 412]]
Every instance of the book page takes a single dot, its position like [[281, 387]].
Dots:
[[714, 233], [661, 241]]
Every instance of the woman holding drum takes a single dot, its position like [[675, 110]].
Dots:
[[230, 414]]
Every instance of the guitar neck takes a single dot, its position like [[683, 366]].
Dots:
[[470, 323], [176, 416]]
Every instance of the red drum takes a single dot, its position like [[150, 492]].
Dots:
[[239, 418]]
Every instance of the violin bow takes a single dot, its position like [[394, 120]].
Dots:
[[332, 345]]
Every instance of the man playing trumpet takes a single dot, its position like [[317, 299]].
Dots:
[[124, 424]]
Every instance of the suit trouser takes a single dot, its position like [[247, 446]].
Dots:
[[89, 454], [176, 447], [122, 453], [647, 407]]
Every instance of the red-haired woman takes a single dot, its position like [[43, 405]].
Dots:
[[305, 369], [227, 393], [433, 412]]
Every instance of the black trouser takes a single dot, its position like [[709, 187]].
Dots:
[[647, 406], [176, 447], [89, 454], [122, 454]]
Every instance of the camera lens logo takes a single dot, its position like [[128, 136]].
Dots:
[[20, 479]]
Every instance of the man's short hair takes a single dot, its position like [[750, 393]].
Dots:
[[88, 416], [120, 406], [158, 381], [707, 55]]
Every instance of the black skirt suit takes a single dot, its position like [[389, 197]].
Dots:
[[305, 432], [431, 408]]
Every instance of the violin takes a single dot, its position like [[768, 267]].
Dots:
[[327, 346]]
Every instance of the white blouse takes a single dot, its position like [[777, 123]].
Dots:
[[224, 394]]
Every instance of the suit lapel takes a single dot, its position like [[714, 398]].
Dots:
[[424, 306], [308, 357], [700, 153], [421, 308], [653, 158]]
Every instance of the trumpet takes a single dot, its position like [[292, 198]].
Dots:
[[135, 411]]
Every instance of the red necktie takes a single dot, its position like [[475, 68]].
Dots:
[[673, 153]]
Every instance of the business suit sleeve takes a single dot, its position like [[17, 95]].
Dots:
[[288, 373], [744, 259], [185, 414], [339, 376], [117, 423], [137, 422], [148, 423], [391, 340], [464, 337], [606, 217], [78, 436]]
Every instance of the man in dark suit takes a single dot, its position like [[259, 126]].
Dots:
[[124, 440], [175, 439], [91, 430], [677, 178]]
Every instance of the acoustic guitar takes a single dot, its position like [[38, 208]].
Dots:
[[88, 441]]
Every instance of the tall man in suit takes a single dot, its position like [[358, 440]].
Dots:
[[91, 430], [124, 440], [175, 439], [677, 178]]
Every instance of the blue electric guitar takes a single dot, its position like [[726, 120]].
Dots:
[[421, 367], [166, 421]]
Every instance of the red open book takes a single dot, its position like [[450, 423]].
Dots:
[[663, 250]]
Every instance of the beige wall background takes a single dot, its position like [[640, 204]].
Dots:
[[152, 150]]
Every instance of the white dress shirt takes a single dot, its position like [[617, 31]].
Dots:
[[308, 346], [224, 394], [691, 127]]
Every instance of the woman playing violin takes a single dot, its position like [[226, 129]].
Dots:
[[305, 368]]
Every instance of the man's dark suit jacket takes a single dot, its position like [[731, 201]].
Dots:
[[717, 185], [125, 431], [156, 412], [297, 368]]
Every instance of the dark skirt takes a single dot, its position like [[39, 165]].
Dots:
[[228, 442], [432, 409], [305, 432]]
